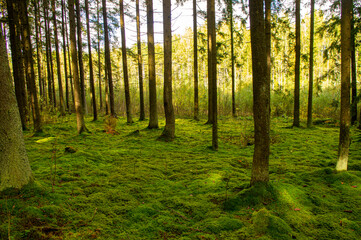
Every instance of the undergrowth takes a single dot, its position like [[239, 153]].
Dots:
[[130, 186]]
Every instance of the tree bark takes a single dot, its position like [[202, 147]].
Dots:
[[353, 73], [99, 62], [268, 44], [212, 69], [210, 85], [195, 64], [108, 66], [38, 48], [29, 66], [17, 60], [169, 130], [69, 59], [296, 110], [261, 88], [91, 74], [232, 58], [15, 171], [49, 59], [310, 75], [80, 57], [65, 58], [60, 84], [125, 65], [77, 91], [153, 112], [140, 66], [345, 120]]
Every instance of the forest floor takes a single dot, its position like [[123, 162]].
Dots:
[[131, 186]]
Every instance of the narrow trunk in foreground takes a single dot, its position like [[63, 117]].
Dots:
[[296, 109], [195, 64], [310, 75], [140, 65]]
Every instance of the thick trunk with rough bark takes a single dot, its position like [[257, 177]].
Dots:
[[169, 130], [77, 91], [296, 109], [261, 90], [310, 86], [345, 119], [140, 65], [153, 112], [15, 171], [125, 65], [91, 74], [108, 66]]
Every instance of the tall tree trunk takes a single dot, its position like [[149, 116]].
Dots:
[[261, 88], [153, 112], [353, 73], [169, 130], [212, 69], [77, 91], [345, 120], [230, 7], [296, 110], [29, 65], [69, 60], [64, 53], [91, 74], [108, 65], [125, 65], [210, 91], [99, 62], [15, 171], [195, 63], [80, 57], [268, 44], [140, 65], [17, 60], [38, 48], [310, 87], [107, 97], [60, 84]]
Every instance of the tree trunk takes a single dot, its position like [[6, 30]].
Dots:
[[15, 171], [77, 91], [38, 48], [49, 59], [69, 60], [60, 84], [195, 64], [108, 65], [230, 7], [65, 58], [310, 87], [17, 60], [210, 91], [169, 130], [125, 65], [99, 62], [212, 69], [268, 44], [353, 73], [345, 120], [80, 57], [296, 111], [91, 74], [261, 90], [153, 112], [29, 65], [140, 65]]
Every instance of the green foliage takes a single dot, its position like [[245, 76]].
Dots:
[[130, 186]]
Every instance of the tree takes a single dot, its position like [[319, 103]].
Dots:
[[268, 43], [140, 65], [345, 121], [195, 64], [99, 62], [353, 73], [29, 65], [77, 91], [38, 47], [230, 10], [63, 23], [17, 59], [125, 65], [108, 67], [261, 88], [60, 84], [49, 60], [169, 130], [310, 87], [15, 171], [80, 56], [296, 110], [212, 70], [153, 112], [91, 74]]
